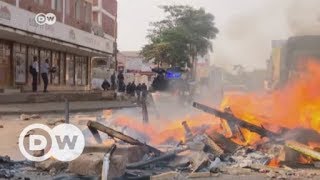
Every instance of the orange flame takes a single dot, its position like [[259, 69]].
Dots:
[[297, 105]]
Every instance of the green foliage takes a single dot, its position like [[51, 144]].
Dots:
[[184, 33]]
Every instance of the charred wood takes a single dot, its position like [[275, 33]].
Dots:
[[116, 134], [162, 157], [303, 149], [231, 119], [226, 144]]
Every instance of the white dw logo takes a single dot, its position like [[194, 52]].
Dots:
[[43, 19], [67, 142]]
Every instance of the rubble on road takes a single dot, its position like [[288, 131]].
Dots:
[[9, 168], [55, 122], [25, 117], [52, 165]]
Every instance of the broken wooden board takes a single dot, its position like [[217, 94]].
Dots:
[[213, 146], [162, 157], [224, 143], [116, 134], [303, 149]]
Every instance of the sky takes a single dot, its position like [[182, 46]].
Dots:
[[247, 27]]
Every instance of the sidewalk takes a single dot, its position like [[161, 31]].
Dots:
[[58, 107]]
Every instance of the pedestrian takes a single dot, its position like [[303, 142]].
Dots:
[[122, 87], [105, 85], [120, 77], [113, 81], [128, 88], [144, 90], [138, 91], [133, 88], [34, 70], [44, 74]]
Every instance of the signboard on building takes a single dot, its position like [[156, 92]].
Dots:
[[25, 21]]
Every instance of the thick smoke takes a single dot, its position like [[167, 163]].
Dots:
[[246, 38]]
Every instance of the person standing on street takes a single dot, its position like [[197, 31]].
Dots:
[[44, 74], [144, 90], [113, 81], [34, 70], [138, 92]]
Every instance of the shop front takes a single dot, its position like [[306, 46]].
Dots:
[[68, 49], [72, 70]]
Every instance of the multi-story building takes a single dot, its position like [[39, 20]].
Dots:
[[78, 35]]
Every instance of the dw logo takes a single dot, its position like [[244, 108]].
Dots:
[[42, 19], [67, 142]]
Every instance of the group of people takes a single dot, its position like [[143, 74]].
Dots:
[[131, 89], [44, 71]]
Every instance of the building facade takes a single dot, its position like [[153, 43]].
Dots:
[[69, 44]]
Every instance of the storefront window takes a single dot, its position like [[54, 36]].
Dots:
[[55, 64], [81, 70], [5, 66], [20, 63], [32, 52], [70, 69], [62, 67], [45, 54], [84, 71]]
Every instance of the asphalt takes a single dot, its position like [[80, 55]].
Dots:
[[59, 107]]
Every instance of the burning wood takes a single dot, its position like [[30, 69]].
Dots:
[[165, 156], [223, 142], [303, 149], [231, 119], [188, 132], [115, 134]]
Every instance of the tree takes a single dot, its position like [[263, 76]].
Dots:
[[183, 34]]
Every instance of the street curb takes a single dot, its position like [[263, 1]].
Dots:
[[71, 110]]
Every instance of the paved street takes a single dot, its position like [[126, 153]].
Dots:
[[58, 107]]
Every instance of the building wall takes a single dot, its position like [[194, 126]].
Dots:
[[71, 19], [110, 6], [105, 15], [13, 2], [108, 25], [70, 11]]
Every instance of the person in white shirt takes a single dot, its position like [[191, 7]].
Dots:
[[34, 73], [44, 69]]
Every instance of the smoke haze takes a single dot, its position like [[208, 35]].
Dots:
[[246, 38]]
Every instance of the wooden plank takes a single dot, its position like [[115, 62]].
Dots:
[[231, 119], [116, 134], [303, 149], [164, 156], [224, 143]]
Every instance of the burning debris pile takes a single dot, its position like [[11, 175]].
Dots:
[[210, 153], [275, 134]]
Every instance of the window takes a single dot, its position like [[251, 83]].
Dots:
[[57, 5], [81, 70], [41, 2], [67, 6], [78, 9], [62, 69], [88, 13], [55, 63], [20, 60], [70, 69]]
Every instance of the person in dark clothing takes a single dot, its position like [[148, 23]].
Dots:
[[133, 88], [105, 85], [122, 87], [34, 70], [120, 77], [113, 81], [138, 91], [44, 74], [144, 90], [128, 89]]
